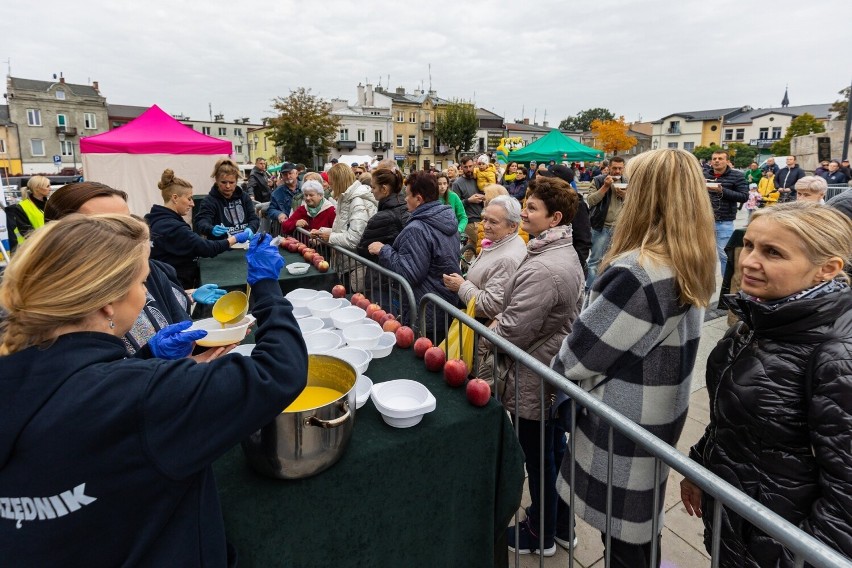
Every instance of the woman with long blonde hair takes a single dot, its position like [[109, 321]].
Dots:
[[635, 345], [355, 206]]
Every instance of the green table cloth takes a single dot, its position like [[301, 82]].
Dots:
[[438, 494]]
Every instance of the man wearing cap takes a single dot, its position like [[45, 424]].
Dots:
[[581, 228], [821, 169], [286, 196], [605, 204], [786, 178], [533, 167]]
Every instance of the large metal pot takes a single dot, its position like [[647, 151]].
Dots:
[[301, 444]]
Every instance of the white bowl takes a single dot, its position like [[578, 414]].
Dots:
[[322, 342], [358, 358], [345, 317], [310, 325], [362, 336], [384, 346], [300, 312], [296, 268], [339, 333], [301, 297], [322, 294], [244, 349], [322, 307], [218, 336], [344, 303], [363, 388], [619, 186], [402, 402]]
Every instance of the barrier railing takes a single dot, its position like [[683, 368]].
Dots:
[[804, 547], [836, 189], [385, 288]]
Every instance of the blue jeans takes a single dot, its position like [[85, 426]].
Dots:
[[600, 244], [724, 230]]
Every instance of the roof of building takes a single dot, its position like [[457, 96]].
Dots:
[[4, 115], [43, 86], [701, 115], [484, 114], [415, 98], [125, 111], [819, 111], [521, 127]]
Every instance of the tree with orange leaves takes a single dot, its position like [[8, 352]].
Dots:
[[612, 135]]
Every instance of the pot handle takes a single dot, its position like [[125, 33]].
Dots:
[[314, 421]]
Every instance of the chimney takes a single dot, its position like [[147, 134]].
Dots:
[[61, 80], [545, 124], [526, 121], [95, 85], [361, 98], [369, 102], [400, 90]]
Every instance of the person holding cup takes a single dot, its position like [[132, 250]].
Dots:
[[605, 203], [727, 187]]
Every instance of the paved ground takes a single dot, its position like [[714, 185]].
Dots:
[[682, 544]]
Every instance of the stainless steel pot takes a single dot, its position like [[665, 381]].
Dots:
[[301, 444]]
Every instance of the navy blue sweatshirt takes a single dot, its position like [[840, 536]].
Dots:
[[236, 213], [173, 242], [106, 461]]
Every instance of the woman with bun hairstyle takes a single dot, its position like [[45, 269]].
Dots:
[[227, 209], [172, 240]]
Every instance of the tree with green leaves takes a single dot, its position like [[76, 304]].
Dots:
[[742, 155], [302, 115], [704, 152], [456, 126], [799, 126], [842, 105], [583, 120]]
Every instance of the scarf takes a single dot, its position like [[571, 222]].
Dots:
[[314, 211], [549, 236], [510, 177]]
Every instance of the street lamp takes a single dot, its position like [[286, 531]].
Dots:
[[309, 143], [73, 152]]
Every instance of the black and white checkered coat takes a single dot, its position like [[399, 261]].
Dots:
[[635, 331]]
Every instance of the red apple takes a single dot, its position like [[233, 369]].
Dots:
[[386, 318], [322, 266], [455, 372], [308, 255], [478, 392], [357, 297], [292, 247], [371, 309], [421, 345], [338, 291], [363, 304], [404, 337], [378, 315], [391, 325], [434, 358]]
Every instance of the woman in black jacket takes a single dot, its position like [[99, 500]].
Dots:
[[172, 240], [780, 386]]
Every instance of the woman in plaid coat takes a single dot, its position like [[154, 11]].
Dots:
[[639, 337]]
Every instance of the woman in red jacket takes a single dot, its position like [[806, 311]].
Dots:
[[314, 213]]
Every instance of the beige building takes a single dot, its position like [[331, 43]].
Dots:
[[10, 149], [413, 116], [687, 130]]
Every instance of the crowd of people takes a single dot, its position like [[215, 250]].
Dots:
[[608, 288]]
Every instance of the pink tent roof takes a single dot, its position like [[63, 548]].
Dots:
[[154, 132]]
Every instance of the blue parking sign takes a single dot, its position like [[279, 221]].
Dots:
[[57, 159]]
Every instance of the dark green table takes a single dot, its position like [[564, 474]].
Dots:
[[438, 494]]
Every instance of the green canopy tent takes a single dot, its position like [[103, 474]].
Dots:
[[552, 147]]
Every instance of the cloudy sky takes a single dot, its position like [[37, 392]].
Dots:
[[643, 59]]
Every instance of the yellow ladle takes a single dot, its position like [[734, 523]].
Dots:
[[232, 307]]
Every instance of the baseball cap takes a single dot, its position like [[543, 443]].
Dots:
[[287, 167], [564, 173]]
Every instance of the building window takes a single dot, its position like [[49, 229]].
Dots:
[[729, 134], [37, 146], [674, 127], [2, 146], [740, 134], [776, 132], [65, 148], [33, 117], [764, 134], [238, 131], [60, 95], [205, 130], [377, 135], [673, 145], [238, 149], [412, 141], [362, 135], [426, 142], [344, 134], [399, 140], [689, 146], [61, 120], [223, 131], [375, 113], [90, 122], [412, 117], [400, 116]]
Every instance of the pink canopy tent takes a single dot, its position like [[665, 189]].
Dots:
[[132, 157]]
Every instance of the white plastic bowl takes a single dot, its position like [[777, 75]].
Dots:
[[297, 268], [322, 294], [362, 336], [384, 346], [322, 307], [218, 336], [349, 316], [300, 312], [310, 325], [301, 297], [339, 333], [402, 402], [363, 388], [244, 350], [358, 358], [322, 342]]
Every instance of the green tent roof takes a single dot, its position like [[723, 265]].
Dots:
[[552, 146]]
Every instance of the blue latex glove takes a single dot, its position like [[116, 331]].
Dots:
[[244, 236], [263, 259], [219, 230], [208, 294], [172, 343]]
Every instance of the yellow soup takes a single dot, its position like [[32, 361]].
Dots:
[[313, 397]]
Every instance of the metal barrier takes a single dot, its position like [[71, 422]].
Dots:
[[804, 547], [836, 189], [385, 288]]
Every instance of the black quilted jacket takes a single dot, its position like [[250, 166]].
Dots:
[[780, 386]]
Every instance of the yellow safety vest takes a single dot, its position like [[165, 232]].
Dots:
[[34, 215]]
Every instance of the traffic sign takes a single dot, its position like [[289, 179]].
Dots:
[[57, 159]]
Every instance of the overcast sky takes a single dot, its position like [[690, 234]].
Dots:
[[643, 59]]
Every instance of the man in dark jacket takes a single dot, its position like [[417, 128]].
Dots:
[[786, 178], [605, 203], [472, 199], [732, 189], [835, 175], [771, 165], [286, 196], [581, 227], [258, 182]]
